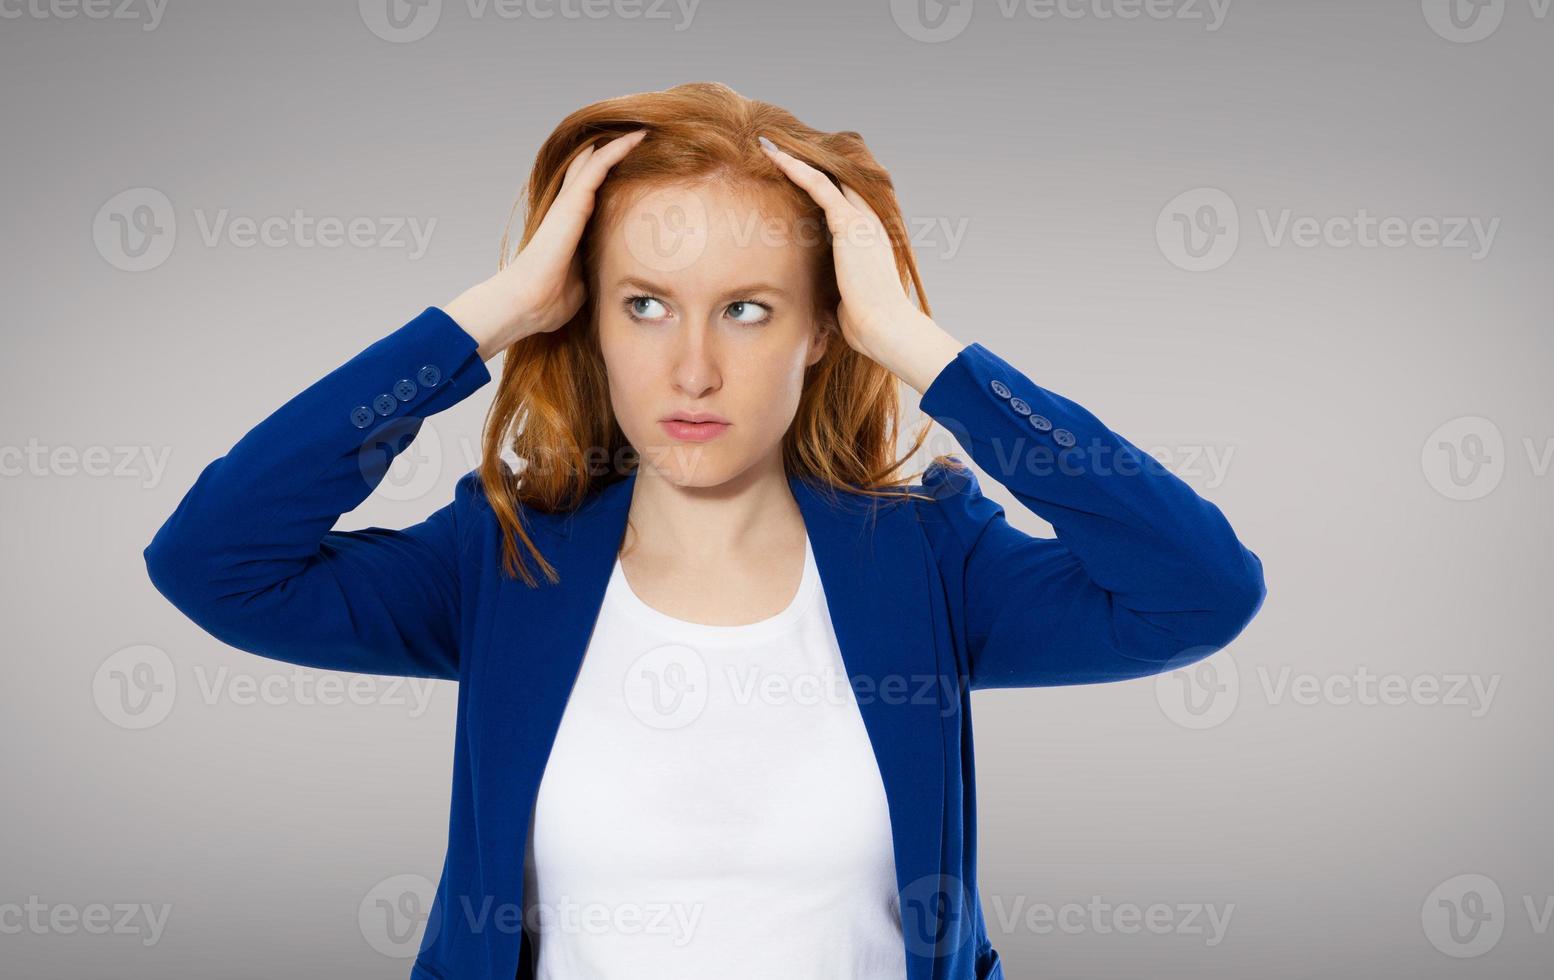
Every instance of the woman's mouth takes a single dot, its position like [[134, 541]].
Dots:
[[689, 430]]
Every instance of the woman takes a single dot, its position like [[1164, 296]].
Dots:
[[726, 732]]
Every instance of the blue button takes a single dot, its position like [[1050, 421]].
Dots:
[[1040, 423], [1063, 437], [385, 404], [1019, 405], [405, 389], [361, 416], [1000, 389], [429, 375]]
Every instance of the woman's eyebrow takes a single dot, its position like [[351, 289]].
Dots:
[[657, 290]]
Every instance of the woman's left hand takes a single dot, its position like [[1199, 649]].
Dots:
[[876, 316]]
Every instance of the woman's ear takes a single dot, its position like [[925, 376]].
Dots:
[[820, 340]]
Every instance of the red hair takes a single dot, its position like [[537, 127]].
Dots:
[[552, 408]]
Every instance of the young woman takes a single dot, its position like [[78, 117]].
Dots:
[[726, 731]]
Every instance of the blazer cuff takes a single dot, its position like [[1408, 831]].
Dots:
[[983, 400], [423, 367]]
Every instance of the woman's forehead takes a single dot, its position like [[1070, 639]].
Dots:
[[703, 202], [705, 235]]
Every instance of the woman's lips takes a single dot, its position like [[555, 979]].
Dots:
[[693, 431]]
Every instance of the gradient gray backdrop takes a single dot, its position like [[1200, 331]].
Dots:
[[1375, 420]]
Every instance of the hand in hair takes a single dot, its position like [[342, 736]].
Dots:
[[542, 288], [876, 316]]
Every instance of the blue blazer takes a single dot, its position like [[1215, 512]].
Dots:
[[930, 600]]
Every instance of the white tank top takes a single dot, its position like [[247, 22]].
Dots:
[[712, 807]]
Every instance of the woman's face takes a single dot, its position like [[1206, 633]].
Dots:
[[705, 308]]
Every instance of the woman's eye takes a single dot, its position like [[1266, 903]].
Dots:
[[641, 308], [646, 308], [757, 312]]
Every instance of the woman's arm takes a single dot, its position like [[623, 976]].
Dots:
[[249, 555], [1144, 576]]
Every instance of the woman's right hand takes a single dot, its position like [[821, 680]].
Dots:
[[542, 288]]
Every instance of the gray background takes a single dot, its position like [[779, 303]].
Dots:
[[1330, 829]]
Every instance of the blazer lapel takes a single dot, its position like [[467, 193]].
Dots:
[[519, 686], [871, 562]]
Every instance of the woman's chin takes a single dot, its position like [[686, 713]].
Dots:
[[686, 465]]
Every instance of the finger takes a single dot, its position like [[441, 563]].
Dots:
[[574, 202], [859, 203], [863, 208], [587, 170], [815, 183], [576, 165], [607, 156], [878, 228]]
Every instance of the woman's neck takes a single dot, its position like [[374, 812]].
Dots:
[[754, 512]]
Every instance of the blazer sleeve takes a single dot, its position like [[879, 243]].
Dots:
[[249, 554], [1144, 575]]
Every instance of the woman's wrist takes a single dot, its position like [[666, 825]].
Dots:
[[486, 315], [915, 348]]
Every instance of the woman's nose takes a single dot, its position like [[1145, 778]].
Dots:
[[695, 365]]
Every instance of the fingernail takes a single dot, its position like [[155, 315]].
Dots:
[[766, 143]]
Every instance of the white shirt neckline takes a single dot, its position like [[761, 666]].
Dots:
[[621, 595]]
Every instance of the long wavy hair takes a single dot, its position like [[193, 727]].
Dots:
[[552, 409]]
